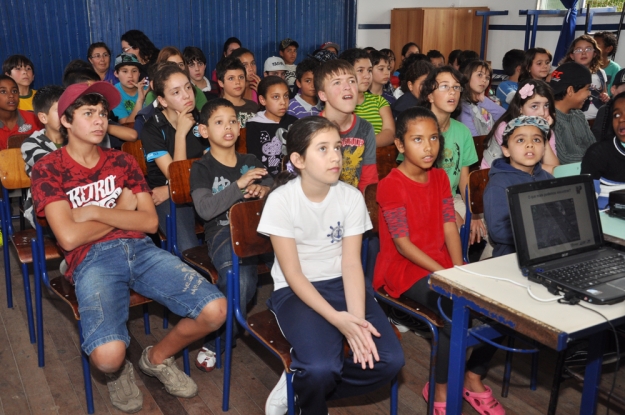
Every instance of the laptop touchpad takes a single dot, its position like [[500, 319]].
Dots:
[[620, 283]]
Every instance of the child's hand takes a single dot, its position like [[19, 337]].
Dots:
[[255, 191], [127, 200], [358, 334], [604, 97], [254, 80], [250, 176], [141, 88], [478, 231], [160, 194], [549, 119], [185, 120]]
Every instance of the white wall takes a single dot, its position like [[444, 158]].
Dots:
[[499, 42]]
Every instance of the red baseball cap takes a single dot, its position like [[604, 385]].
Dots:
[[73, 92]]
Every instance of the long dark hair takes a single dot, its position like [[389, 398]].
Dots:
[[429, 85], [138, 40], [467, 70], [530, 55]]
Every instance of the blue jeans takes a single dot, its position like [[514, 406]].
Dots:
[[110, 269], [220, 252], [185, 224]]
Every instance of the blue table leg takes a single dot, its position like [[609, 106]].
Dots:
[[592, 375], [457, 356]]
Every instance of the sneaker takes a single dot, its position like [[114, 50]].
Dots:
[[277, 401], [125, 395], [205, 360], [405, 323], [176, 382]]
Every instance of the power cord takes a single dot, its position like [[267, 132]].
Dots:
[[529, 291]]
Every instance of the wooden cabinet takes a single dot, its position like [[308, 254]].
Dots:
[[443, 29]]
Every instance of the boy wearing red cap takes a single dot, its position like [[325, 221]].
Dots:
[[99, 208]]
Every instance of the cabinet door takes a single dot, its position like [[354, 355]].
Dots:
[[406, 26]]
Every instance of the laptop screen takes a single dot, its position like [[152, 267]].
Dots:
[[554, 218]]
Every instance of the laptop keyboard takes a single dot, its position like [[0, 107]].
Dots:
[[587, 274]]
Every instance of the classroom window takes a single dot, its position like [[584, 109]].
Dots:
[[557, 4]]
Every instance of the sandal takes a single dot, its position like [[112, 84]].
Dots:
[[440, 408], [484, 402]]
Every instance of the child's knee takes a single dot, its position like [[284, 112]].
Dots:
[[213, 315], [324, 375], [109, 357]]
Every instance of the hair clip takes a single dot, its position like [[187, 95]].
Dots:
[[526, 91]]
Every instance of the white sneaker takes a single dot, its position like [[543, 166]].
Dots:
[[205, 360], [277, 401]]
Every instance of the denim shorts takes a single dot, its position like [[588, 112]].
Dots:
[[111, 268]]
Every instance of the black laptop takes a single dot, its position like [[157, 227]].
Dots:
[[559, 240]]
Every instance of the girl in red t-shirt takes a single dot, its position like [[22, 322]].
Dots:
[[12, 120], [418, 235]]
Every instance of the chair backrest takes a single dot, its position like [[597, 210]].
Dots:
[[386, 159], [565, 170], [16, 140], [135, 149], [372, 205], [12, 169], [241, 144], [244, 219], [478, 180], [180, 181], [479, 141]]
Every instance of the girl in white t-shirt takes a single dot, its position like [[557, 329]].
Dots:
[[316, 223]]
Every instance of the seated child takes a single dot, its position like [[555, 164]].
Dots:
[[220, 179], [288, 53], [22, 70], [415, 75], [127, 69], [196, 63], [13, 120], [247, 59], [607, 42], [418, 236], [394, 80], [45, 141], [512, 63], [335, 82], [232, 80], [570, 83], [380, 76], [306, 102], [602, 127], [436, 58], [266, 131], [524, 142], [479, 112], [316, 224], [606, 159], [103, 236], [370, 107], [537, 65], [274, 66], [534, 98]]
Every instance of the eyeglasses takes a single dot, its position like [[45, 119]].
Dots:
[[125, 50], [446, 87], [580, 50], [98, 56]]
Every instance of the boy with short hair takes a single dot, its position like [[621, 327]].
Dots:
[[570, 83], [127, 70], [436, 58], [221, 178], [608, 43], [274, 66], [22, 70], [288, 52], [45, 141], [415, 75], [306, 102], [381, 74], [512, 64], [232, 77], [196, 62], [99, 207], [335, 82]]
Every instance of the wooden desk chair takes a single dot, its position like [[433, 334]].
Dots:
[[403, 303], [479, 141], [478, 180], [16, 140], [386, 159], [241, 144], [135, 149], [13, 176], [64, 290], [246, 242]]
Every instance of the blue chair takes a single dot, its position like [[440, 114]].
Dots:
[[246, 242], [62, 288]]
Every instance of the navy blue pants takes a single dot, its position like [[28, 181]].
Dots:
[[321, 370]]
